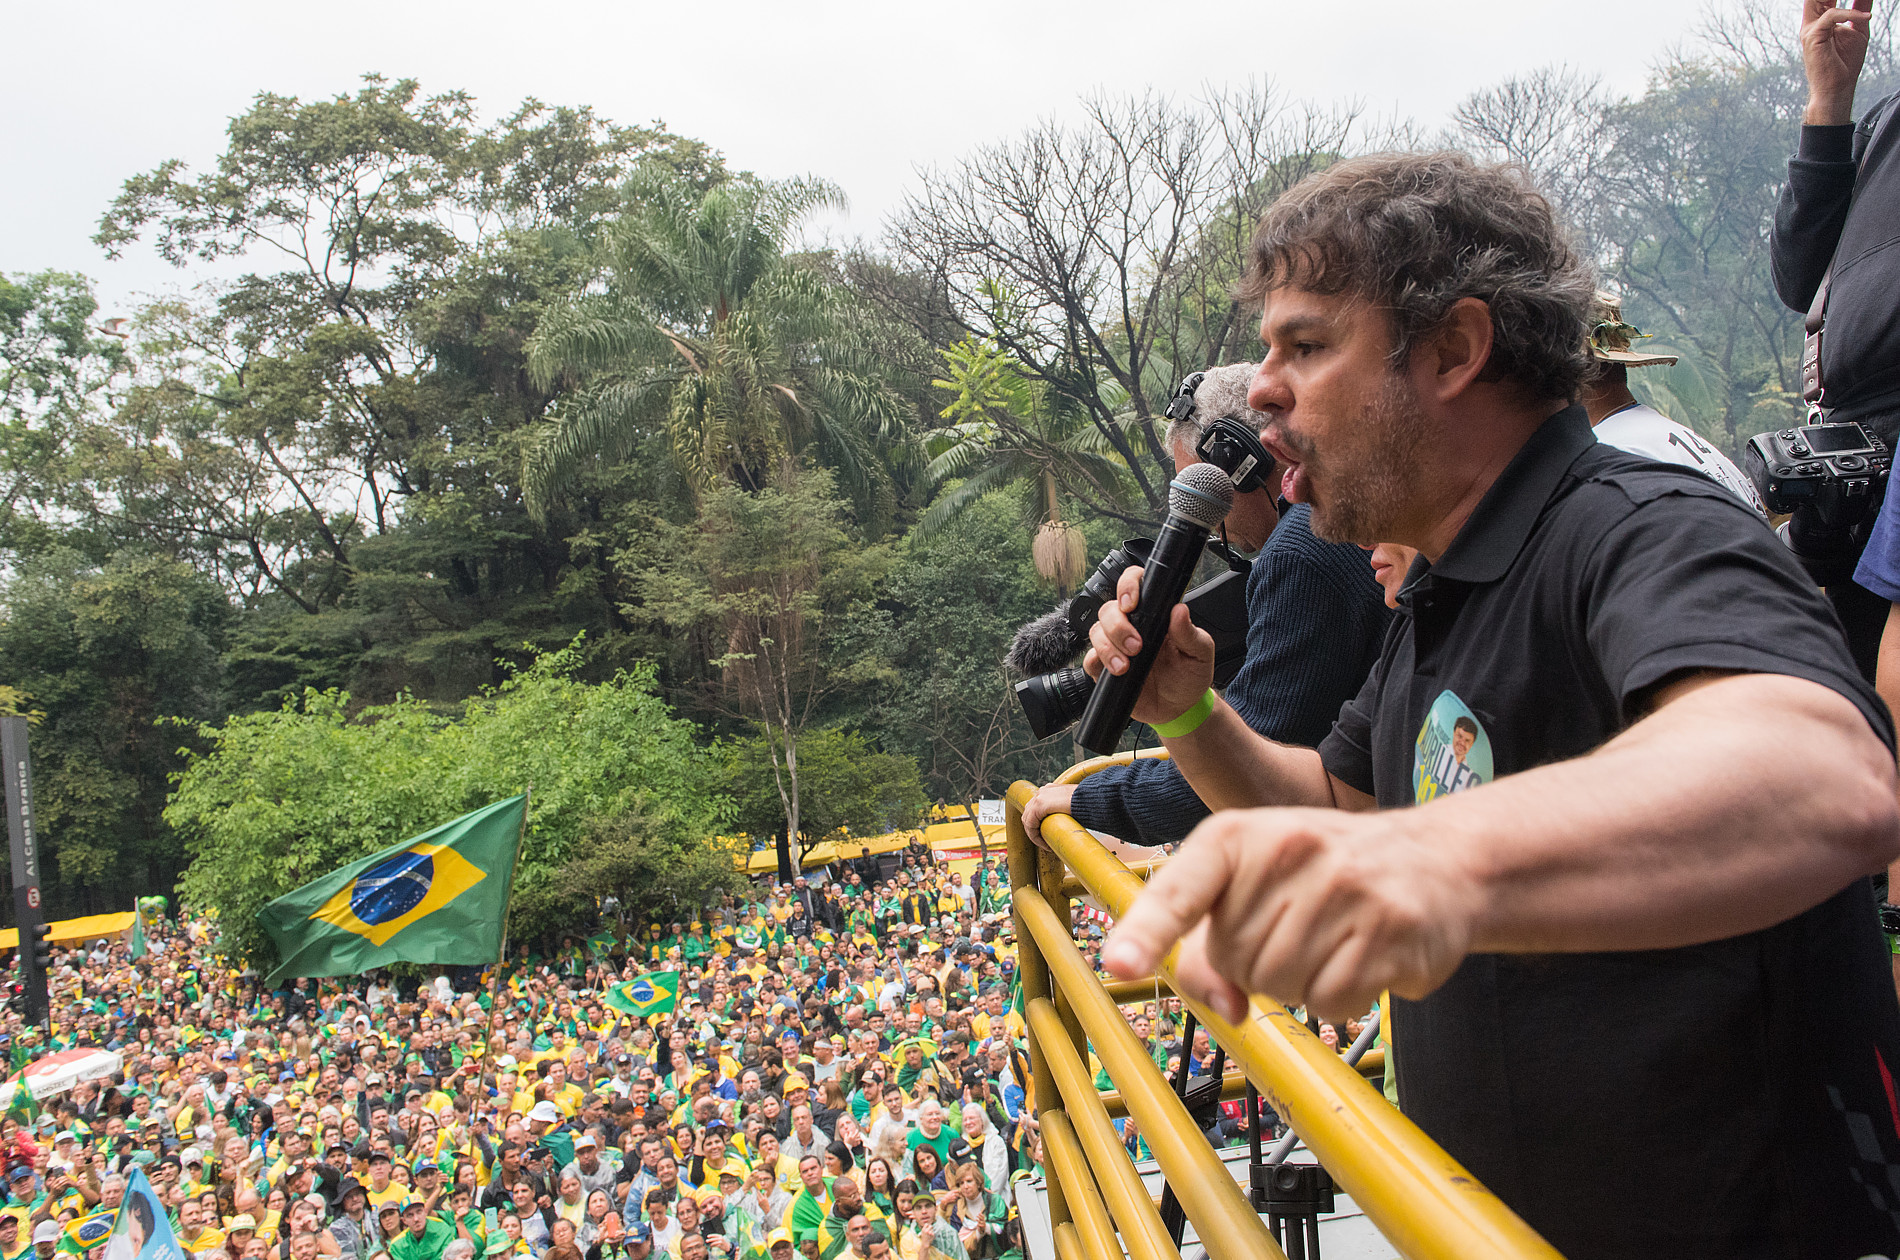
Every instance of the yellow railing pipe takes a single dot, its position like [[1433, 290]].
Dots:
[[1083, 769], [1201, 1181], [1424, 1202], [1034, 978], [1063, 1150], [1126, 992], [1127, 1199]]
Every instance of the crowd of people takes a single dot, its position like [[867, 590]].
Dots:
[[842, 1073]]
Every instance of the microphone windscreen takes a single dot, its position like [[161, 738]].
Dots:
[[1045, 644]]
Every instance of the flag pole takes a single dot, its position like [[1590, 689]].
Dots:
[[514, 872]]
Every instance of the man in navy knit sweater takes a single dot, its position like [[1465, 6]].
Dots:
[[1316, 619]]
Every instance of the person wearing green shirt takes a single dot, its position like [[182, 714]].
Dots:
[[748, 939], [423, 1237], [544, 1123], [812, 1201], [695, 946]]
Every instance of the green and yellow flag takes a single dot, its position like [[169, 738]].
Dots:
[[655, 993], [438, 898], [87, 1232], [138, 932]]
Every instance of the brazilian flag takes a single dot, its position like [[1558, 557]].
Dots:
[[655, 993], [87, 1232], [439, 898]]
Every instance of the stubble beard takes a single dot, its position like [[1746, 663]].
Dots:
[[1366, 487]]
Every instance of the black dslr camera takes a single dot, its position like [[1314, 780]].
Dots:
[[1053, 701], [1830, 478]]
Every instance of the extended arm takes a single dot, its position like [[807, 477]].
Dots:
[[1813, 203], [1693, 825], [1226, 761]]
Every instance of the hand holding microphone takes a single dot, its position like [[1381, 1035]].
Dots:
[[1147, 630]]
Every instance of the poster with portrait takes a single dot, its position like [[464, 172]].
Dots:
[[143, 1231]]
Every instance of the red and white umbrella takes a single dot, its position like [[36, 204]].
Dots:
[[57, 1073]]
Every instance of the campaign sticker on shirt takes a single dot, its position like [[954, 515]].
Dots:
[[1453, 752]]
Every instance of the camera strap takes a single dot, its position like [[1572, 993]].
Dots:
[[1812, 391]]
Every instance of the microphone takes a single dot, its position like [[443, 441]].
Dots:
[[1047, 643], [1198, 500]]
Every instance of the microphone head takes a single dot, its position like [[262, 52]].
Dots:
[[1045, 644], [1201, 493]]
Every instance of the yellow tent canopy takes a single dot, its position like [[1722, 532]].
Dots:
[[956, 840], [88, 928]]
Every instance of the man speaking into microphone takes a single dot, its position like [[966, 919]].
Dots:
[[1639, 987], [1315, 619]]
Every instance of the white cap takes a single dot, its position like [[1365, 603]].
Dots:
[[546, 1112], [46, 1231]]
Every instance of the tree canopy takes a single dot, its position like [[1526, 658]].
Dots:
[[619, 802]]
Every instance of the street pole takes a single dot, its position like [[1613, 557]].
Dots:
[[26, 865]]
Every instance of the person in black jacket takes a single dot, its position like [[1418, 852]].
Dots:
[[1841, 208], [1315, 620], [1838, 217]]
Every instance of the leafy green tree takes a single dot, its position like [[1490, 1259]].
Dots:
[[946, 612], [846, 787], [619, 787], [109, 652], [339, 435], [57, 372], [768, 582], [705, 330], [1007, 429]]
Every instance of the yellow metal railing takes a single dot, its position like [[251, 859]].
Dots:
[[1422, 1200]]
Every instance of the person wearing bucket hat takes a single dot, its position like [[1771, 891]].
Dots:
[[1620, 420]]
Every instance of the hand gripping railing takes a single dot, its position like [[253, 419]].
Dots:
[[1421, 1199]]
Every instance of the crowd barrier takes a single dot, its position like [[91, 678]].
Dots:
[[1426, 1205]]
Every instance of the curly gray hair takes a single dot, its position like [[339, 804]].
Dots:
[[1222, 392]]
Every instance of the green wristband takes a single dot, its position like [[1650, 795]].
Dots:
[[1190, 721]]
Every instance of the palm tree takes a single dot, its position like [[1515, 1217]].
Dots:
[[1005, 431], [703, 329]]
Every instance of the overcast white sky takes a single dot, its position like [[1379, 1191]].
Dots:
[[860, 93]]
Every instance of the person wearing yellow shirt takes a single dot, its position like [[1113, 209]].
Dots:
[[784, 1167], [563, 1095], [194, 1235], [382, 1188]]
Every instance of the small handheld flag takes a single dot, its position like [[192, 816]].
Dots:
[[87, 1232], [439, 898], [655, 993]]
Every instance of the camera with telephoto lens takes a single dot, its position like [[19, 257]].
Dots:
[[1830, 479], [1053, 701]]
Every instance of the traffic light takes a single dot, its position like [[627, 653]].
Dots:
[[42, 948]]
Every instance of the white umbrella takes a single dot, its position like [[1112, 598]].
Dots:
[[57, 1073]]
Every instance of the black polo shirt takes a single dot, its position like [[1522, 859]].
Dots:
[[1728, 1099]]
